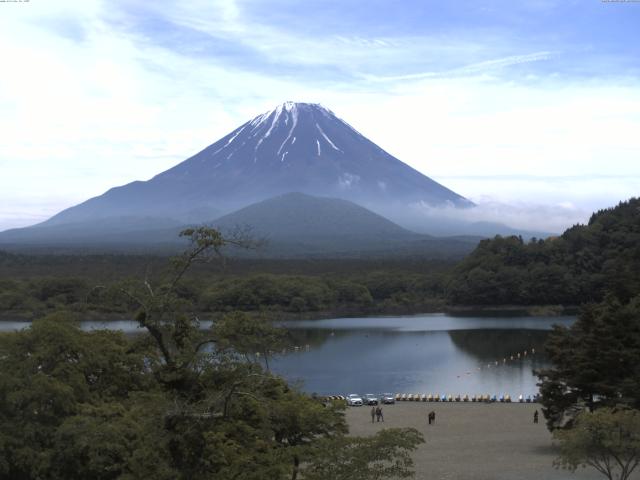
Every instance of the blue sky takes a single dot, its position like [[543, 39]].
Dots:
[[530, 108]]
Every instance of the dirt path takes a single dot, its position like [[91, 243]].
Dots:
[[471, 441]]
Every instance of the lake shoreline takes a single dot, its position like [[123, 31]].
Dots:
[[424, 309]]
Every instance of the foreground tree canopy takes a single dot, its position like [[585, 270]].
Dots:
[[607, 440], [596, 362], [174, 402]]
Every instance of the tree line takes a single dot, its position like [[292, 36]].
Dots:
[[371, 292], [582, 265]]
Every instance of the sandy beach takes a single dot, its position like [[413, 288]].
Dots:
[[474, 441]]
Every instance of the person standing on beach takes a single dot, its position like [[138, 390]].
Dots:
[[432, 417], [379, 414], [535, 416], [373, 413]]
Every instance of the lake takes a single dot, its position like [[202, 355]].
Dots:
[[435, 353], [432, 353]]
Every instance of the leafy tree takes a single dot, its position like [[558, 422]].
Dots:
[[249, 336], [50, 373], [384, 455], [607, 440], [596, 361]]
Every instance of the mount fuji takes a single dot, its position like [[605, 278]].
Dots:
[[297, 147]]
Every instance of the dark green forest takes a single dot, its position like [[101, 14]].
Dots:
[[33, 285], [575, 268], [578, 267]]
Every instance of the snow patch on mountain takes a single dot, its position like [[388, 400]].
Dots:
[[294, 122], [327, 138]]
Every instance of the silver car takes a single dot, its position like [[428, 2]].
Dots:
[[370, 399], [388, 398], [354, 400]]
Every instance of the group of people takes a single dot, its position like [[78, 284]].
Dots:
[[376, 413]]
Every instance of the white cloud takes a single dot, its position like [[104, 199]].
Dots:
[[545, 218], [546, 204], [466, 70]]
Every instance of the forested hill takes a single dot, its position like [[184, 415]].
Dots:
[[579, 266]]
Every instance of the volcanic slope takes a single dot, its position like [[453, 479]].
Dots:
[[297, 147]]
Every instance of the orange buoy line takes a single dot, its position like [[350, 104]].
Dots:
[[496, 363]]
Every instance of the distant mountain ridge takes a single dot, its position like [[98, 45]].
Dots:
[[299, 215], [293, 225]]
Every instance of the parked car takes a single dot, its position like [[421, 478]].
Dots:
[[388, 398], [354, 400], [370, 399]]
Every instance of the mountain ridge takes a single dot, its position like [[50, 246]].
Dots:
[[294, 225]]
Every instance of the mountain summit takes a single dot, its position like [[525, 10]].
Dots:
[[301, 147]]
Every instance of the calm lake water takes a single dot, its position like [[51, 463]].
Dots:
[[433, 353]]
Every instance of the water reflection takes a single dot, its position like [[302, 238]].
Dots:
[[424, 354]]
